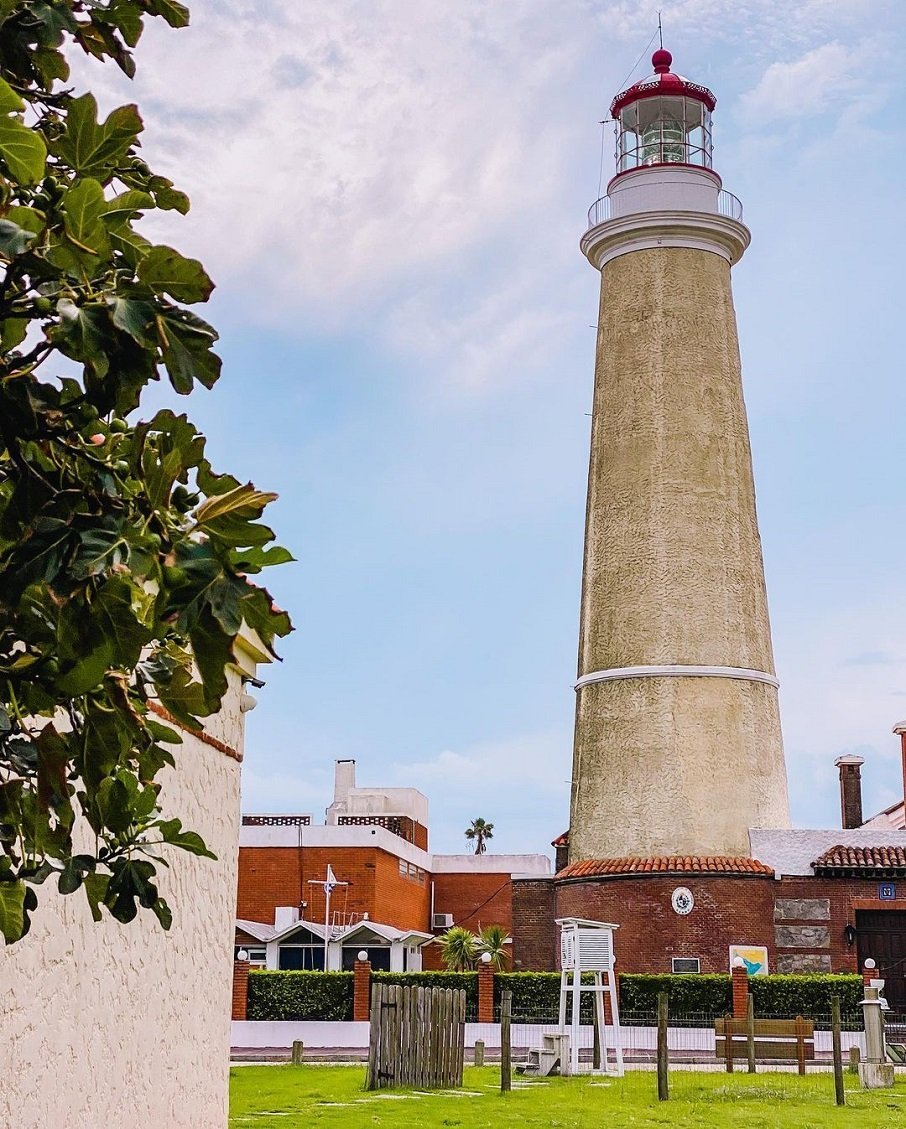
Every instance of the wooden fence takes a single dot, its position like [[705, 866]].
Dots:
[[417, 1037]]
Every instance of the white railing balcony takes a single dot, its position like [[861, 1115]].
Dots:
[[727, 205]]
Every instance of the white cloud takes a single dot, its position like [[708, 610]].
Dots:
[[518, 783], [817, 82]]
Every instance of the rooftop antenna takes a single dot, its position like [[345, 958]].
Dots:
[[660, 31]]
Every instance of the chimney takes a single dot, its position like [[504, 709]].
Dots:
[[850, 790], [344, 781], [900, 728]]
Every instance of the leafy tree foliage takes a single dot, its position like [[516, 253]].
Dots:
[[459, 949], [124, 557], [479, 832], [492, 939]]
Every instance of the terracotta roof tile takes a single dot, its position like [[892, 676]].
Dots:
[[561, 840], [665, 864], [861, 858]]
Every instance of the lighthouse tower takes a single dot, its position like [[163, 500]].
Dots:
[[678, 748]]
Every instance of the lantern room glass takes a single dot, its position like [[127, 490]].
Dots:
[[664, 130]]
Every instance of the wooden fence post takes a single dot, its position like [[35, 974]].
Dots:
[[506, 1012], [663, 1086], [750, 1032], [855, 1057], [800, 1043], [728, 1042], [838, 1051], [478, 1056], [298, 1051]]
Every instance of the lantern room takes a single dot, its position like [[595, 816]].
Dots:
[[663, 120]]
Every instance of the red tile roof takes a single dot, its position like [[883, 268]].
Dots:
[[561, 840], [861, 858], [666, 864]]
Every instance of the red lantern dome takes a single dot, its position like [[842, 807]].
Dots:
[[664, 119]]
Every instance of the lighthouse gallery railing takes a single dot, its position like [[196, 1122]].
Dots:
[[727, 205]]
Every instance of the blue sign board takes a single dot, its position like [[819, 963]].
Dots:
[[887, 892]]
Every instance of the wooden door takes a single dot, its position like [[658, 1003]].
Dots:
[[881, 934]]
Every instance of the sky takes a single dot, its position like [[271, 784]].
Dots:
[[390, 197]]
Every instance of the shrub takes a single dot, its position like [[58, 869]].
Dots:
[[300, 995], [466, 980], [708, 993], [536, 995], [807, 994]]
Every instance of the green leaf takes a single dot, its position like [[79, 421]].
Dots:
[[176, 15], [12, 910], [23, 150], [70, 879], [96, 893], [163, 913], [171, 832], [241, 499], [187, 351], [93, 148], [128, 203], [253, 560], [168, 272], [83, 207], [132, 317], [12, 333], [10, 102], [13, 239]]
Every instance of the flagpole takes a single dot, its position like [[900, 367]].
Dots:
[[327, 888]]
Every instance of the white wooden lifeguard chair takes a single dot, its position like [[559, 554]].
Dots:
[[587, 946]]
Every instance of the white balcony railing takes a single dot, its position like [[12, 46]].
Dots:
[[727, 205]]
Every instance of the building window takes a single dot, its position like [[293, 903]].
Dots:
[[687, 964], [301, 958], [404, 868]]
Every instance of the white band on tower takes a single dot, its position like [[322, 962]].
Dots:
[[737, 672]]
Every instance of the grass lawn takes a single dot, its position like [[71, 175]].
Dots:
[[283, 1097]]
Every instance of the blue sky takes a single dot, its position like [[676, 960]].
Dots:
[[390, 198]]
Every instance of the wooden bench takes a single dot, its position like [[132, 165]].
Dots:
[[785, 1039]]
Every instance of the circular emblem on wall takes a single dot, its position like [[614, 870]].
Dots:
[[682, 901]]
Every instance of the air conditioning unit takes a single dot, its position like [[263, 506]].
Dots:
[[442, 921]]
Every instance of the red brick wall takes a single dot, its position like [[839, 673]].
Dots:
[[279, 876], [728, 911], [535, 937], [475, 900], [845, 896]]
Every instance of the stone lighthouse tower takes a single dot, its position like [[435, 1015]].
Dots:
[[678, 748]]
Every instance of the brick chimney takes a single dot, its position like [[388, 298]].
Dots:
[[850, 790]]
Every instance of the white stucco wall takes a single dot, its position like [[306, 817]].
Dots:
[[113, 1026]]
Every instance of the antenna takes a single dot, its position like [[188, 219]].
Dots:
[[660, 31]]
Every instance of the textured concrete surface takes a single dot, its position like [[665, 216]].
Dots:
[[110, 1026], [673, 575]]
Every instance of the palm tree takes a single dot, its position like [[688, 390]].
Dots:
[[478, 832], [459, 948], [493, 939]]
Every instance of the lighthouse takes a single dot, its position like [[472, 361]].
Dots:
[[678, 748]]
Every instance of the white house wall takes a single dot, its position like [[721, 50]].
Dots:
[[109, 1026]]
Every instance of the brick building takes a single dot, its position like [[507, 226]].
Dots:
[[393, 896], [815, 900]]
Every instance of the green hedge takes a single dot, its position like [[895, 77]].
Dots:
[[300, 995], [536, 995], [807, 994], [466, 980]]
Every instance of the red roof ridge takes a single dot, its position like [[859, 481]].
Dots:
[[666, 864]]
